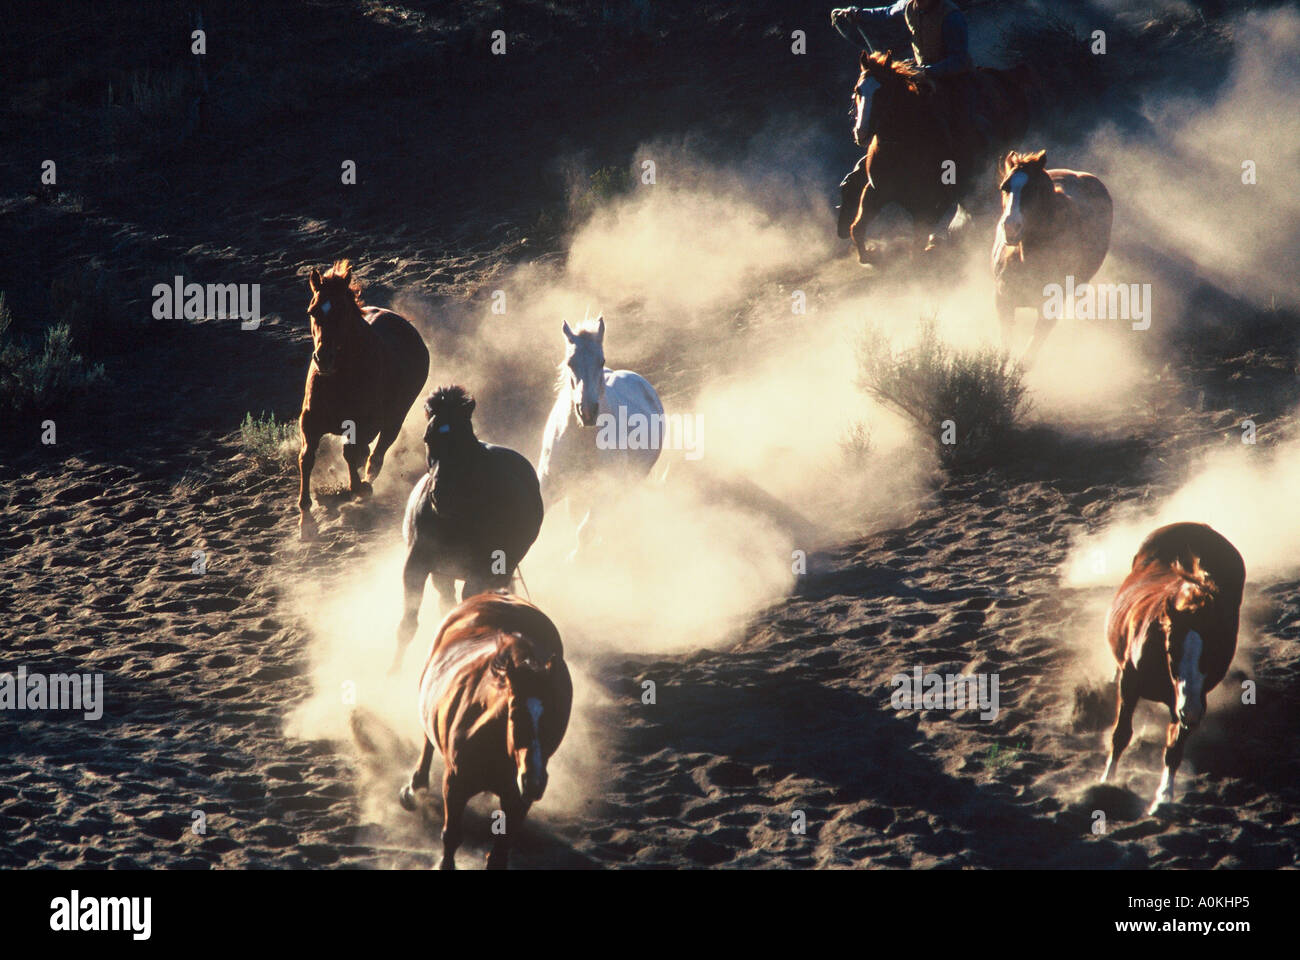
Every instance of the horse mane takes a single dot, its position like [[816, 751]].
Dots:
[[1196, 589], [453, 399], [902, 70], [1014, 161], [340, 276], [502, 614]]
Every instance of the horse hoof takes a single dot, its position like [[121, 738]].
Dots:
[[868, 254], [307, 532], [406, 797], [495, 862], [363, 490], [447, 863]]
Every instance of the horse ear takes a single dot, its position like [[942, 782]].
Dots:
[[568, 334], [863, 60], [313, 278], [600, 327]]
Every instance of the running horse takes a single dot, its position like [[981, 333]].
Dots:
[[1055, 224], [471, 517], [495, 698], [914, 158], [1172, 630], [367, 367], [606, 428]]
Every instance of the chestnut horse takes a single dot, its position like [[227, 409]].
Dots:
[[1055, 224], [899, 119], [367, 367], [495, 698], [1172, 630]]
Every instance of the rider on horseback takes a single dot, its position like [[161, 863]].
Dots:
[[937, 32]]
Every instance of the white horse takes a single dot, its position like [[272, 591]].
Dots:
[[607, 426]]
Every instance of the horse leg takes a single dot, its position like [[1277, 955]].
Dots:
[[1123, 732], [355, 455], [414, 573], [515, 811], [453, 811], [1042, 327], [419, 779], [1175, 739], [851, 188], [445, 587], [585, 536], [1006, 320], [387, 436], [868, 209], [306, 461]]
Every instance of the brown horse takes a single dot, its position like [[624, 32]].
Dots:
[[1172, 630], [367, 367], [1055, 224], [920, 153], [495, 698]]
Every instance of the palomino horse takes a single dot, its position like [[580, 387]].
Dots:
[[605, 425], [472, 517], [1172, 630], [1055, 224], [914, 158], [495, 698], [367, 367]]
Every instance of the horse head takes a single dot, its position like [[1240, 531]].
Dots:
[[584, 364], [335, 311], [527, 676], [1025, 186], [450, 426], [880, 80], [1192, 627]]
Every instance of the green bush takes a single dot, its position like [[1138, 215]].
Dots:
[[41, 378], [982, 391], [602, 187], [270, 440]]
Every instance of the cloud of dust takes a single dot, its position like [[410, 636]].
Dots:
[[686, 557], [1244, 491], [1180, 188], [696, 275]]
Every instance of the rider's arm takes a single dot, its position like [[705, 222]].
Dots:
[[874, 18], [956, 48]]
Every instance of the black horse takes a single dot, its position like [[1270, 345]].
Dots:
[[472, 517]]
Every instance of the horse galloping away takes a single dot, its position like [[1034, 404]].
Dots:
[[472, 517], [367, 367], [1055, 224], [921, 154], [495, 699], [582, 441], [1172, 630]]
